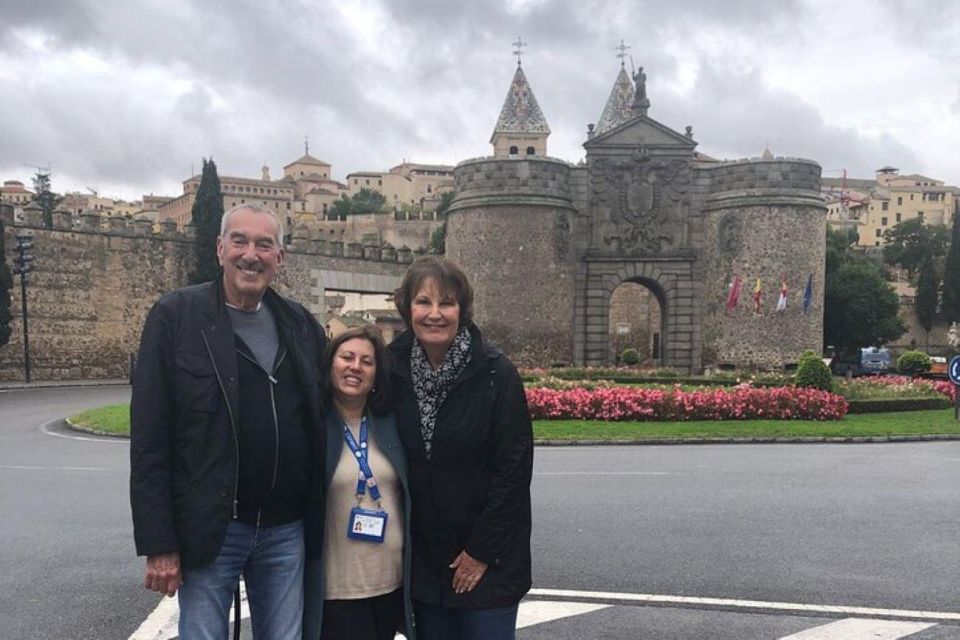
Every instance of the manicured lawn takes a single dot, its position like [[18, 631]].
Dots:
[[113, 419], [909, 423]]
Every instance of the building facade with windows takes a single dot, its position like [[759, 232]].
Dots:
[[873, 206]]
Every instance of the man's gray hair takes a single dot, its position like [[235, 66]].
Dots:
[[256, 208]]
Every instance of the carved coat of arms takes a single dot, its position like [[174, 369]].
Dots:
[[637, 202]]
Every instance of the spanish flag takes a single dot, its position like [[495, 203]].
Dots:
[[757, 297]]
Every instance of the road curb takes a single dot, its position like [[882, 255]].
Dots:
[[66, 384], [678, 441], [95, 432]]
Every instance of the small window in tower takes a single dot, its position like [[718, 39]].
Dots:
[[514, 151], [530, 151], [429, 188]]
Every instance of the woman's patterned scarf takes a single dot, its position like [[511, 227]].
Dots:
[[431, 387]]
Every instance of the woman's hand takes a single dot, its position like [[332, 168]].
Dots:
[[467, 572]]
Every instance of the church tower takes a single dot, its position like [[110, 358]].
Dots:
[[521, 128]]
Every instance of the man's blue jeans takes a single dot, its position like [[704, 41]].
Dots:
[[271, 561]]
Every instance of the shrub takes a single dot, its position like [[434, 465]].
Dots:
[[630, 357], [890, 405], [812, 373], [913, 363]]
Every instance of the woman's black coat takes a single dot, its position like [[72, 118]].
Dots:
[[473, 493]]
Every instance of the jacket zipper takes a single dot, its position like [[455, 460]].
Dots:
[[233, 424], [276, 427]]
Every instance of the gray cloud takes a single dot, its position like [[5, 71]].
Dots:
[[245, 81]]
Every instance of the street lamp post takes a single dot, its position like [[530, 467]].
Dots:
[[23, 264]]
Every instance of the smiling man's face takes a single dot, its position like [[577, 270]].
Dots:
[[250, 256]]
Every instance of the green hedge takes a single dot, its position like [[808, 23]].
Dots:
[[890, 405]]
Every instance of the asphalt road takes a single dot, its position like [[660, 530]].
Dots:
[[67, 564], [863, 525]]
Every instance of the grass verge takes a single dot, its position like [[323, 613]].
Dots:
[[908, 423], [114, 419]]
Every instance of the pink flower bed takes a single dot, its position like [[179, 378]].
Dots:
[[637, 404], [944, 387]]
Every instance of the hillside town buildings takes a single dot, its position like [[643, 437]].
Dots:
[[871, 206]]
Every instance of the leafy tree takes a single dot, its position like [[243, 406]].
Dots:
[[446, 199], [860, 307], [951, 275], [367, 201], [908, 243], [207, 214], [364, 201], [438, 239], [926, 302], [6, 283], [341, 208], [46, 199]]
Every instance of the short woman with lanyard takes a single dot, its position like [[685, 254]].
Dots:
[[358, 589]]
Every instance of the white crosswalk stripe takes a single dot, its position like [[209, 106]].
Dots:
[[861, 629]]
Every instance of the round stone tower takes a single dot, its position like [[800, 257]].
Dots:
[[763, 219], [509, 229]]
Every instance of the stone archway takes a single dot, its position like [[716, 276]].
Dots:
[[674, 285], [636, 322]]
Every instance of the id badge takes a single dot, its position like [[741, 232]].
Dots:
[[369, 525]]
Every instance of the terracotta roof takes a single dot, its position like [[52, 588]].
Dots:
[[307, 159]]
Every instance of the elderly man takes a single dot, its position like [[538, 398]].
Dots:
[[224, 439]]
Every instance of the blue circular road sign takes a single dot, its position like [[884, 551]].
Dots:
[[954, 370]]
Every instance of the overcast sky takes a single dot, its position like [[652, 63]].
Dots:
[[126, 96]]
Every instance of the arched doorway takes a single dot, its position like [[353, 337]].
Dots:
[[636, 322]]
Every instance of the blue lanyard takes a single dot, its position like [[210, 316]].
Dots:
[[359, 451]]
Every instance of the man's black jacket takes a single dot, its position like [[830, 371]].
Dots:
[[473, 493], [184, 416]]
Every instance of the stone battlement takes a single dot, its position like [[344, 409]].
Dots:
[[757, 180], [519, 180]]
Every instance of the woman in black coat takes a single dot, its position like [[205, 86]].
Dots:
[[463, 421]]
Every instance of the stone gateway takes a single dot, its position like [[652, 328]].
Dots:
[[547, 243]]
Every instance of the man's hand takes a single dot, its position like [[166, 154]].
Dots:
[[467, 572], [163, 573]]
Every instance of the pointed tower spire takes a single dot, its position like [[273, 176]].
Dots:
[[521, 128], [619, 107]]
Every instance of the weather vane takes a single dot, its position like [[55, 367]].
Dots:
[[518, 48], [306, 145], [623, 52]]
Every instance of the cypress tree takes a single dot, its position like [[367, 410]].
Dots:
[[926, 302], [6, 283], [46, 199], [206, 215], [951, 275]]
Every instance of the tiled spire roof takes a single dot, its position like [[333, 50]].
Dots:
[[520, 112], [619, 105]]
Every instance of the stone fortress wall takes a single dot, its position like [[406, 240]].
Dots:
[[526, 229], [509, 228], [762, 218], [91, 288]]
